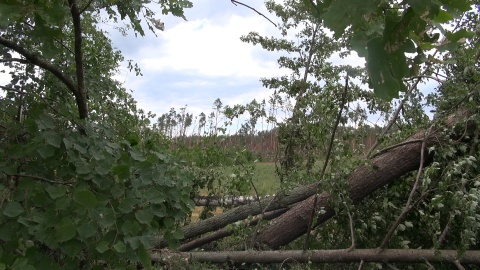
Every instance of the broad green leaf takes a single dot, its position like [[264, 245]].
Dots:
[[130, 227], [72, 247], [65, 230], [120, 247], [45, 121], [54, 140], [126, 205], [443, 17], [136, 155], [102, 246], [85, 198], [21, 264], [178, 234], [382, 81], [13, 209], [87, 230], [144, 216], [46, 151], [56, 191], [122, 171], [105, 216], [144, 257]]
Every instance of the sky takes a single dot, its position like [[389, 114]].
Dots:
[[195, 62]]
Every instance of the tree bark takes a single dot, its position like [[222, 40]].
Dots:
[[325, 256]]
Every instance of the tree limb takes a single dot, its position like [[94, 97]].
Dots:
[[36, 60]]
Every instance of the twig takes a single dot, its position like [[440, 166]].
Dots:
[[395, 146], [458, 265], [23, 61], [327, 158], [397, 112], [43, 179], [259, 13], [86, 6], [352, 234], [430, 266], [360, 266], [408, 205], [424, 76]]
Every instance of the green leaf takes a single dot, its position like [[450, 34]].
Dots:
[[382, 81], [144, 216], [56, 191], [54, 140], [443, 17], [130, 227], [144, 257], [46, 151], [136, 155], [178, 234], [122, 171], [85, 198], [65, 230], [21, 264], [87, 230], [102, 246], [120, 247], [105, 216], [126, 205], [13, 209], [72, 247]]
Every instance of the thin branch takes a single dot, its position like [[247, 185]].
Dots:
[[458, 265], [327, 159], [352, 234], [424, 76], [43, 179], [360, 266], [86, 6], [259, 13], [5, 60], [397, 112], [408, 205], [386, 149]]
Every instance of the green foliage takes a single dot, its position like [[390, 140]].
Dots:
[[88, 200], [386, 32], [97, 198]]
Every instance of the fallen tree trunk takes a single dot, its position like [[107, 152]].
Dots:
[[226, 200], [242, 212], [325, 256], [380, 171]]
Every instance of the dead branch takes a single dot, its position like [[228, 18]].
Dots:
[[259, 13]]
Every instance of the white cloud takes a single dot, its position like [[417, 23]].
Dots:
[[208, 48]]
